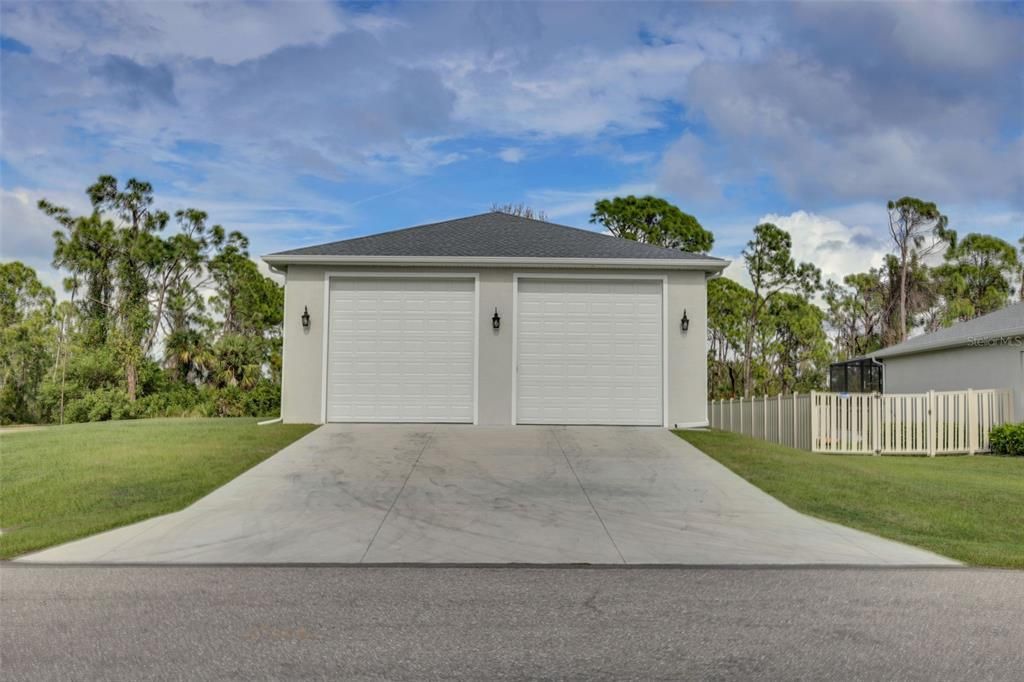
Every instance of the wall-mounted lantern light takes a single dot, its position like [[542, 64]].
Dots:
[[496, 320], [305, 317], [684, 323]]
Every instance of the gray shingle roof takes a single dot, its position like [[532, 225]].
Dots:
[[1005, 323], [495, 235]]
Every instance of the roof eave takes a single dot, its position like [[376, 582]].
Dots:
[[701, 264], [895, 351]]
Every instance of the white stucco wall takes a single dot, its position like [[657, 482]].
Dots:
[[687, 353], [302, 386], [991, 366], [302, 355]]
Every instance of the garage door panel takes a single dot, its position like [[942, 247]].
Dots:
[[589, 352], [401, 349]]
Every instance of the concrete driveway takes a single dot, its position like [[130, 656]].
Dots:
[[433, 493]]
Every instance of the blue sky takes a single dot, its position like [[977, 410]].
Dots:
[[301, 122]]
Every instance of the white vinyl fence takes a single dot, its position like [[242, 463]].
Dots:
[[933, 423], [784, 419]]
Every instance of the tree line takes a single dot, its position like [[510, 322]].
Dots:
[[167, 316], [780, 334]]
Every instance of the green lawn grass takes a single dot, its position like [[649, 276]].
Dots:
[[59, 483], [967, 508]]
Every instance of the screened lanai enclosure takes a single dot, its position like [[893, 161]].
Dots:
[[862, 375]]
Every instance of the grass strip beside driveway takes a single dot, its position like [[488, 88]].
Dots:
[[60, 483], [967, 508]]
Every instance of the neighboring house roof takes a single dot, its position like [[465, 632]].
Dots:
[[496, 238], [1007, 322]]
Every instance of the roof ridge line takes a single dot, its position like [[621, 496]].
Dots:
[[399, 229], [493, 233]]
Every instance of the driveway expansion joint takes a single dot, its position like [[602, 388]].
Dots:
[[426, 443], [554, 432]]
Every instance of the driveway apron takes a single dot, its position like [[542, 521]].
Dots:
[[423, 493]]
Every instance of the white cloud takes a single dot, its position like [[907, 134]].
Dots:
[[737, 272], [579, 204], [823, 134], [289, 113], [336, 92], [26, 233], [581, 92], [853, 238], [972, 38], [684, 173], [226, 32], [512, 154], [854, 111], [560, 76], [836, 248], [718, 38], [811, 101]]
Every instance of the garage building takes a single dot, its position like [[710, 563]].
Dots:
[[495, 319]]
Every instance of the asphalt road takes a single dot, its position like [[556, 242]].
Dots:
[[337, 622]]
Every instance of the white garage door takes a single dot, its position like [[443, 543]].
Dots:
[[589, 352], [401, 350]]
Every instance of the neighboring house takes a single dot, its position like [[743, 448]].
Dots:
[[495, 319], [986, 352]]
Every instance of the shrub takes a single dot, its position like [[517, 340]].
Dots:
[[263, 399], [95, 368], [229, 401], [1007, 439], [171, 399], [153, 379], [176, 400], [100, 405]]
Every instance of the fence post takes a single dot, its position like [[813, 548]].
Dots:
[[751, 411], [753, 426], [930, 432], [764, 409], [753, 401], [814, 423], [972, 422], [741, 404], [764, 417], [876, 427], [796, 421], [778, 418]]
